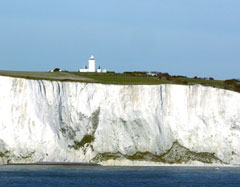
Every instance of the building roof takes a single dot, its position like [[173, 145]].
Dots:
[[92, 57]]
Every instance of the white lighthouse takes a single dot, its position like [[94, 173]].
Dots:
[[92, 66]]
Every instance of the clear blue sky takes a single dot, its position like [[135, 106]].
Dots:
[[185, 37]]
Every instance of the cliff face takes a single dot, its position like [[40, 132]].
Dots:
[[80, 122]]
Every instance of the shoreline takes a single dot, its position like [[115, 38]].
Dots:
[[119, 165], [127, 163], [54, 164]]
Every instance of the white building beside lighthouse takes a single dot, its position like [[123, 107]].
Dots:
[[92, 66]]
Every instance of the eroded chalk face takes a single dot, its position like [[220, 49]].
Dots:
[[82, 122]]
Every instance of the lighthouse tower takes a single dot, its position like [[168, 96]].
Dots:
[[91, 64], [92, 67]]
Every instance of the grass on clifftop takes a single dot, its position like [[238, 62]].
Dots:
[[105, 78], [127, 78], [52, 76]]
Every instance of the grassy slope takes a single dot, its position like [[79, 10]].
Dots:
[[52, 76], [110, 78]]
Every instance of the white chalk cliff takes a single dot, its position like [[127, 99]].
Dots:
[[43, 121]]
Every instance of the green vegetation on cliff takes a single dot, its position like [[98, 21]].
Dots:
[[127, 78], [177, 154]]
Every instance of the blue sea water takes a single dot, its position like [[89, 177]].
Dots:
[[118, 176]]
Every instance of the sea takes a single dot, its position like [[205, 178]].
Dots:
[[58, 176]]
